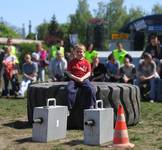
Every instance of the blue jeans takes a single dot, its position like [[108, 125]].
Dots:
[[152, 82], [41, 74], [89, 93]]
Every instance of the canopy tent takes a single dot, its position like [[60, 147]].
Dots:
[[141, 28], [151, 23]]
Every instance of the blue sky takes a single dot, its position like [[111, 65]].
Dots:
[[18, 12]]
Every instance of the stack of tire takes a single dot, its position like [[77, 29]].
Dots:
[[111, 93]]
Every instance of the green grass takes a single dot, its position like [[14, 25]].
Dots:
[[12, 108], [146, 135]]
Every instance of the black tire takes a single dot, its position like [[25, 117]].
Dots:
[[112, 94]]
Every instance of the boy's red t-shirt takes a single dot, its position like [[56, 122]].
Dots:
[[79, 67]]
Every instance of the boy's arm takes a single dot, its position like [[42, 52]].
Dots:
[[87, 75], [71, 76], [78, 79]]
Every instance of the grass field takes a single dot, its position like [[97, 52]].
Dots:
[[16, 134]]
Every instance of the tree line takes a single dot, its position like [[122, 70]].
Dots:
[[113, 15]]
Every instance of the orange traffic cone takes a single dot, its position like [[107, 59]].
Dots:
[[121, 138]]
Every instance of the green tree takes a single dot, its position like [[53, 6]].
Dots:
[[117, 15], [79, 20], [42, 31], [100, 12], [54, 28], [135, 13], [157, 9], [54, 32], [6, 31], [114, 13], [65, 29], [31, 36], [25, 48]]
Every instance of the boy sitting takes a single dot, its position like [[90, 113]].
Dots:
[[79, 70]]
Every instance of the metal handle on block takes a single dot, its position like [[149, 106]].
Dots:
[[51, 100], [90, 123], [38, 120], [99, 102]]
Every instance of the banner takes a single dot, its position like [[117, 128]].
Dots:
[[73, 39], [119, 36], [140, 25]]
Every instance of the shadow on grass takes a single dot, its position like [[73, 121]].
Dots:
[[74, 142], [24, 140], [18, 125]]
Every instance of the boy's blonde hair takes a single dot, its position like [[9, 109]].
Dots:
[[80, 46]]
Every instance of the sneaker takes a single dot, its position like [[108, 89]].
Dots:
[[151, 101], [7, 95], [20, 96]]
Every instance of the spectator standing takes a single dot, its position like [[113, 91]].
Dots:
[[58, 47], [57, 67], [79, 70], [120, 53], [16, 65], [90, 54], [9, 62], [29, 75], [42, 62], [128, 70], [13, 49], [155, 50]]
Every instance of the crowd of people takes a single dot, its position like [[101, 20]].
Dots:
[[79, 66]]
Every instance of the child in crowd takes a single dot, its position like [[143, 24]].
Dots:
[[29, 74], [79, 70], [128, 70], [112, 67]]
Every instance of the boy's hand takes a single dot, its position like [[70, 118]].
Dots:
[[142, 78], [80, 80]]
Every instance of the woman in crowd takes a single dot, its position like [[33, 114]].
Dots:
[[147, 73]]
